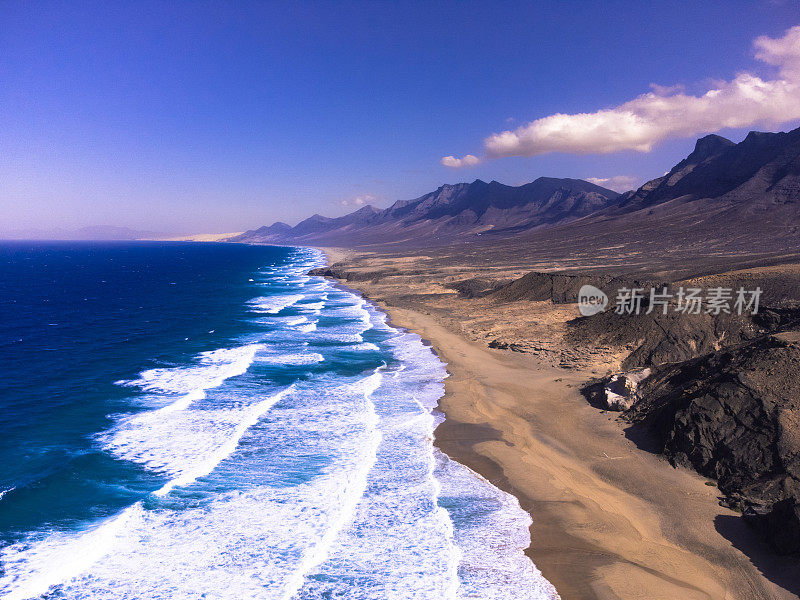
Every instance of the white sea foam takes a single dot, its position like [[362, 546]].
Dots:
[[184, 444], [492, 532], [364, 347], [31, 567], [474, 549], [314, 307], [399, 542], [304, 358], [313, 286], [210, 370], [291, 321], [274, 304], [202, 464], [278, 322], [351, 311], [318, 553], [258, 543], [339, 338]]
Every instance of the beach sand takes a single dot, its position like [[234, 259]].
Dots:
[[610, 519]]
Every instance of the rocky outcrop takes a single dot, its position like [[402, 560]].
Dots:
[[621, 392], [781, 525], [337, 272], [477, 287], [721, 394], [503, 345], [563, 288], [734, 416], [660, 338]]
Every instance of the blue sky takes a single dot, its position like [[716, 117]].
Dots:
[[218, 116]]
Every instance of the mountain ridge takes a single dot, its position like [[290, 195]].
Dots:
[[451, 211], [718, 167]]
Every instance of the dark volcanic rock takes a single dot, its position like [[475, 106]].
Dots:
[[477, 287], [781, 525], [734, 415], [657, 338], [503, 345], [339, 273], [561, 288], [325, 272]]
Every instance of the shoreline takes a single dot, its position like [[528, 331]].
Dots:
[[610, 521]]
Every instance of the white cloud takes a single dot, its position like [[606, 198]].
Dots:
[[665, 112], [457, 163], [618, 183], [783, 52], [359, 200]]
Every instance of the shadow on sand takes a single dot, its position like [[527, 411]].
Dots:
[[783, 571]]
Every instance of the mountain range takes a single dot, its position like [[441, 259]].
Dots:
[[450, 212], [750, 189]]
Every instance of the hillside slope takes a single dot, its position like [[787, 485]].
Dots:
[[452, 212]]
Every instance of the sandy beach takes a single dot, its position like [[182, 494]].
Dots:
[[610, 519]]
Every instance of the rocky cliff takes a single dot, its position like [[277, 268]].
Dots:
[[734, 416]]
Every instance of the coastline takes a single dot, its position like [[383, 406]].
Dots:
[[609, 519]]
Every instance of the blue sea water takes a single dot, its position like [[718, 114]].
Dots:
[[186, 421]]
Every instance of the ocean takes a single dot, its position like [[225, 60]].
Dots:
[[191, 420]]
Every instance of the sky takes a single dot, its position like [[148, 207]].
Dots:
[[189, 117]]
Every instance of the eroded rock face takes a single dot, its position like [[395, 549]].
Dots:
[[657, 338], [621, 392], [734, 416]]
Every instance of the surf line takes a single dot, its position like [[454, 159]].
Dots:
[[98, 542], [229, 447], [320, 551]]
